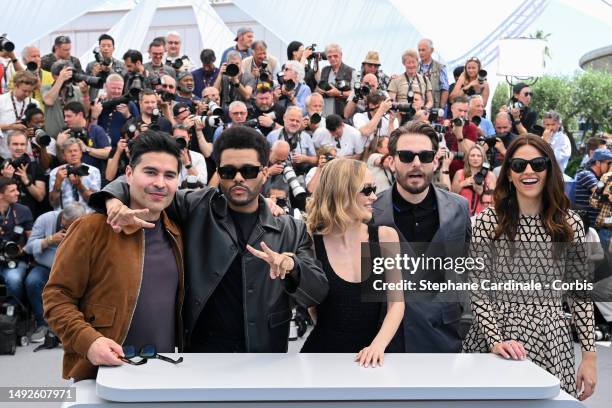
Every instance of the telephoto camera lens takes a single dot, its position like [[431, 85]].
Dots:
[[315, 118], [289, 85], [42, 138], [5, 44], [181, 142], [476, 120], [32, 66], [232, 70], [458, 122], [482, 76], [215, 109], [291, 178]]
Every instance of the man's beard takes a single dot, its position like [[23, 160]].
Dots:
[[404, 181], [249, 197]]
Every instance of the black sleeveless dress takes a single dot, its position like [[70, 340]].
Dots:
[[345, 324]]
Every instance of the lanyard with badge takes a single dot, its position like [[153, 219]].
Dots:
[[18, 116], [18, 229]]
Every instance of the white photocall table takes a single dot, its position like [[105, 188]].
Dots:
[[325, 380]]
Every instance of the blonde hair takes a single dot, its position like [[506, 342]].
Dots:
[[410, 53], [333, 204], [467, 170]]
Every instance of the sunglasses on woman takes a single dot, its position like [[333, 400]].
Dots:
[[407, 156], [538, 164], [229, 172], [367, 190], [148, 351]]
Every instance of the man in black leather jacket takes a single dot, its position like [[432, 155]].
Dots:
[[243, 266]]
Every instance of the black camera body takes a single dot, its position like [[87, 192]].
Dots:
[[232, 70], [166, 96], [289, 85], [136, 84], [5, 44], [324, 85], [361, 90], [481, 175], [9, 253], [329, 157], [489, 140], [20, 161], [252, 123], [80, 171], [93, 81], [315, 118], [460, 122], [343, 85], [515, 104], [111, 104], [80, 134], [482, 76], [177, 63], [458, 155], [155, 115], [41, 137], [100, 59]]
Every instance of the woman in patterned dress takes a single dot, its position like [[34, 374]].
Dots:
[[531, 213]]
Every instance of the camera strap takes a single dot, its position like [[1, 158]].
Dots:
[[58, 223], [19, 116], [5, 219]]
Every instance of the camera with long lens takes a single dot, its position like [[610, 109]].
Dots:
[[100, 59], [130, 132], [458, 155], [289, 85], [360, 90], [9, 253], [20, 161], [136, 85], [215, 109], [32, 66], [93, 81], [317, 55], [5, 44], [434, 115], [79, 134], [111, 104], [41, 137], [343, 85], [482, 76], [459, 122], [515, 104], [600, 190], [315, 118], [213, 121], [440, 128], [232, 70], [81, 170], [481, 175], [181, 142], [476, 120], [297, 189], [166, 96]]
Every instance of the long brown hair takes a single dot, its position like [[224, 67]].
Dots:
[[555, 204], [465, 74]]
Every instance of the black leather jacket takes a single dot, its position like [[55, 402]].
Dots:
[[210, 243]]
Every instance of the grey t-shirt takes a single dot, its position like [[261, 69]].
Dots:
[[154, 320], [230, 93], [54, 115]]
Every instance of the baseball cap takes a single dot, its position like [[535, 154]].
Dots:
[[62, 39], [243, 30], [602, 154], [183, 74]]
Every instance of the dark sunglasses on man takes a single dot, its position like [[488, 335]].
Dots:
[[425, 156], [146, 352], [248, 172]]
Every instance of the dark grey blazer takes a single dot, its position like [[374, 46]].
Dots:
[[432, 326]]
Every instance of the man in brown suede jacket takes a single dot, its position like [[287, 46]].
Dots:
[[105, 288]]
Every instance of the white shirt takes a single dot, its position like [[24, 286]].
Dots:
[[361, 119], [7, 116], [351, 141], [92, 182], [562, 147], [199, 163]]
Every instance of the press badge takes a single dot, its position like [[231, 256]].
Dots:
[[18, 229]]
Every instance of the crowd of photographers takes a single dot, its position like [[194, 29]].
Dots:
[[65, 131]]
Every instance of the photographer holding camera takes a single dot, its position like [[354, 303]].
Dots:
[[193, 162], [62, 92], [156, 66], [371, 65], [113, 109], [325, 154], [73, 181], [374, 122], [174, 59], [119, 156], [262, 66], [336, 81], [40, 146], [602, 200], [523, 118], [15, 228], [474, 179], [377, 158], [93, 140], [205, 77], [9, 63], [356, 100], [238, 114], [104, 64], [296, 51], [48, 232], [460, 134], [27, 174], [472, 81], [403, 87], [302, 148], [13, 106], [476, 116], [293, 91], [314, 118], [587, 182], [233, 83], [435, 72], [559, 141], [268, 113], [150, 116], [60, 51]]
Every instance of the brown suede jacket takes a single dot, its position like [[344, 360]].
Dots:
[[94, 284]]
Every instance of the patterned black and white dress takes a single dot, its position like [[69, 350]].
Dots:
[[533, 318]]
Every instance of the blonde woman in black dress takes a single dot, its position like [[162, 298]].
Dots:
[[338, 211], [531, 211]]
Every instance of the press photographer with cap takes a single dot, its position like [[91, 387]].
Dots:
[[371, 65], [244, 40], [185, 89], [62, 45], [587, 179], [233, 83]]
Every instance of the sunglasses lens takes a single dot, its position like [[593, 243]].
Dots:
[[368, 190], [427, 156], [539, 164], [249, 172], [406, 156], [227, 172], [129, 351], [518, 165], [148, 351]]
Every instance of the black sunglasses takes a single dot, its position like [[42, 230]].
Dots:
[[148, 351], [538, 164], [129, 352], [425, 156], [229, 172], [528, 93], [367, 190]]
